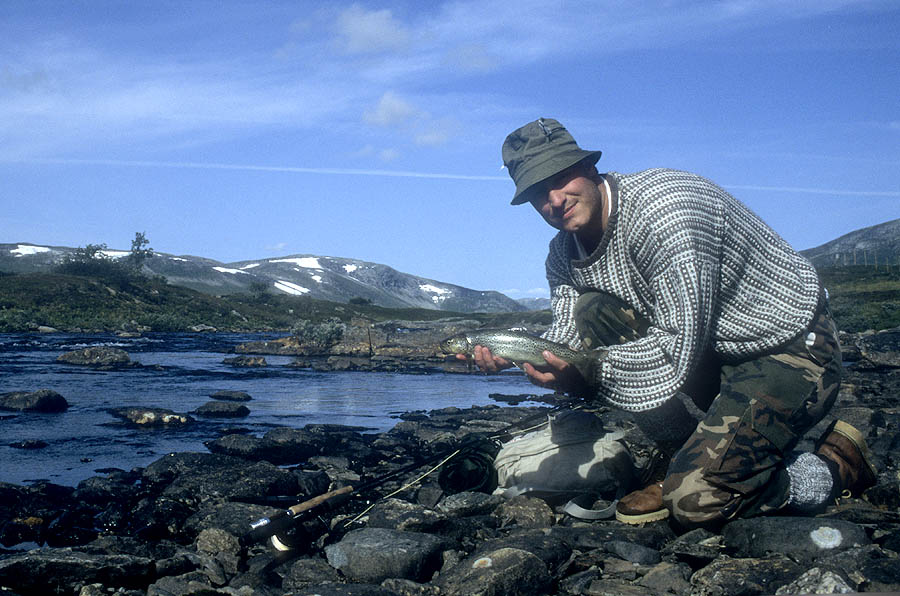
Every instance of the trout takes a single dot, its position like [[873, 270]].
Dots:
[[517, 347]]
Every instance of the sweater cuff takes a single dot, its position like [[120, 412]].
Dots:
[[669, 425]]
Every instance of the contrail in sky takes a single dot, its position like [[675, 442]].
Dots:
[[254, 168], [407, 174]]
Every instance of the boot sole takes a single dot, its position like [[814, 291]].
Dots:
[[641, 518], [854, 436]]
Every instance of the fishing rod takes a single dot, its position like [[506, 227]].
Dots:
[[277, 528]]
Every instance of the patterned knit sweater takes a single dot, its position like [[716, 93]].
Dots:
[[704, 269]]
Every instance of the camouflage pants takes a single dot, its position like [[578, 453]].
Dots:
[[755, 413]]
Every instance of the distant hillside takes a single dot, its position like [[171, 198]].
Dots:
[[334, 279], [30, 301], [872, 246]]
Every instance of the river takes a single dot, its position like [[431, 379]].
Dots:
[[180, 372]]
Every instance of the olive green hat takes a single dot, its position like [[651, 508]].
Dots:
[[540, 150]]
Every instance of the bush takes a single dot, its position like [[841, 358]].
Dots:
[[318, 335]]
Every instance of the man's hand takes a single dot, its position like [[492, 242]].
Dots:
[[558, 375], [487, 361]]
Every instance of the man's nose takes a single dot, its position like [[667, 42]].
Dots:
[[556, 198]]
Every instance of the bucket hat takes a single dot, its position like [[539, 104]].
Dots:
[[538, 151]]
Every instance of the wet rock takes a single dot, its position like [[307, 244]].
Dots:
[[98, 356], [739, 577], [634, 553], [525, 512], [817, 581], [668, 578], [29, 444], [246, 361], [468, 503], [221, 409], [696, 548], [150, 417], [374, 554], [501, 572], [248, 447], [227, 395], [308, 571], [293, 445], [881, 349], [805, 538], [42, 400], [59, 571], [232, 517], [549, 549], [396, 514]]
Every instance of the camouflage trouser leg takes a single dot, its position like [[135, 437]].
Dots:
[[756, 411], [734, 463]]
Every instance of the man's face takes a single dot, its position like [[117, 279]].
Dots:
[[571, 201]]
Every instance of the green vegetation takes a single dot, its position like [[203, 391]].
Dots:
[[862, 297], [81, 303]]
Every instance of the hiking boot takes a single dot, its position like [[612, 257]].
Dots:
[[641, 506], [847, 455]]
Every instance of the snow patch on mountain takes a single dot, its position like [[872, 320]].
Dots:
[[440, 294], [350, 268], [308, 262], [228, 270], [290, 288], [28, 249]]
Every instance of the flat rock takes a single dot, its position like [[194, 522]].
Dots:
[[32, 572], [102, 356], [246, 361], [222, 409], [375, 554], [501, 572], [742, 577], [804, 538], [149, 417], [43, 400]]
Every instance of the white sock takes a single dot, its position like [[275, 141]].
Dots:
[[811, 482]]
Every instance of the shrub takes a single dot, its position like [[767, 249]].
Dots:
[[318, 335]]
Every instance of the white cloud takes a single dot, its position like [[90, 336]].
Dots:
[[363, 31], [392, 110]]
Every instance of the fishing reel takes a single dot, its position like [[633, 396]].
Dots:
[[472, 469]]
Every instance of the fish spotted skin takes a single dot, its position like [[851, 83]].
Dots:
[[515, 346]]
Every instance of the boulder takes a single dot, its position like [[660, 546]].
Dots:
[[730, 577], [501, 572], [222, 409], [150, 417], [98, 356], [60, 571], [43, 400], [375, 554], [246, 361], [804, 538]]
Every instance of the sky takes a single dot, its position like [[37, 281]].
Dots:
[[372, 130]]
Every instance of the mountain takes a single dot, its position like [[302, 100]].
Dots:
[[875, 245], [535, 303], [327, 278]]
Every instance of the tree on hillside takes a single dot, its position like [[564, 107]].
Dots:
[[139, 253]]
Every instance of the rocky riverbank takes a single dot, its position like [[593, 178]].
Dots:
[[175, 527]]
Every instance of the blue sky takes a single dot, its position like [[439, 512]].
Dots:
[[372, 130]]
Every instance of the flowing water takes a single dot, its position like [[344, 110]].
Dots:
[[180, 372]]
